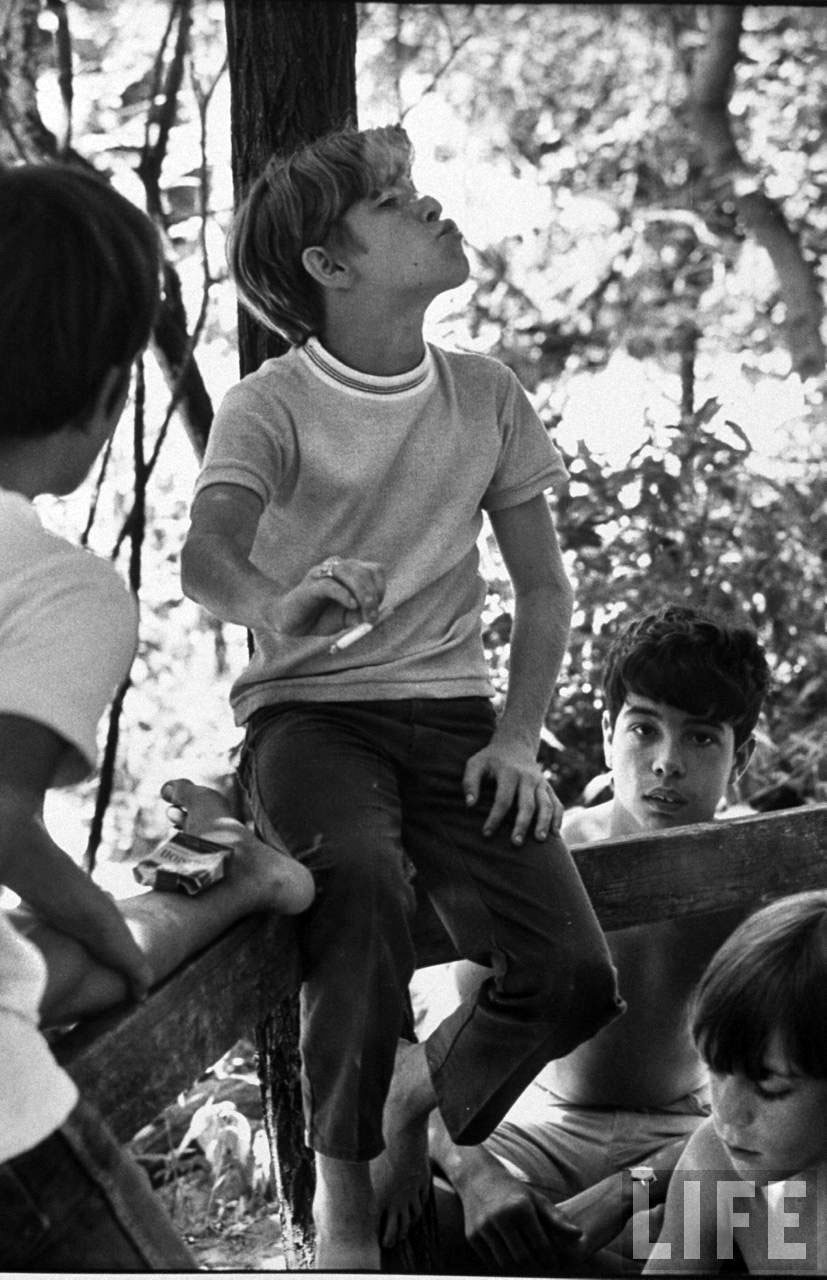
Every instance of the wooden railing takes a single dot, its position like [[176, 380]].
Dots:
[[133, 1061]]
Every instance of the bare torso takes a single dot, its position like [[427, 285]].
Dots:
[[646, 1058]]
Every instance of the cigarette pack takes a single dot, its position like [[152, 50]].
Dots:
[[183, 864]]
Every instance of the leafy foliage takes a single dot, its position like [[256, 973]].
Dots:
[[599, 248]]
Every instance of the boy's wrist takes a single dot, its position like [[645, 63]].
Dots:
[[516, 735]]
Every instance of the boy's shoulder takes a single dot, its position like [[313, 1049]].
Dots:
[[587, 825], [471, 362]]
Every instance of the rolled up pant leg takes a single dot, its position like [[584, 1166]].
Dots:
[[331, 795]]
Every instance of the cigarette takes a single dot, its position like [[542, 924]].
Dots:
[[350, 637]]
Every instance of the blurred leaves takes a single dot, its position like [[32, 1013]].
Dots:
[[596, 239]]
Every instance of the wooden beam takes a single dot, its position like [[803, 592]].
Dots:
[[707, 867], [133, 1061]]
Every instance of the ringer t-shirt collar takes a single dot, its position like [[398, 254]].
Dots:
[[332, 372]]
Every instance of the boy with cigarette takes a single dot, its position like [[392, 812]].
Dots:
[[344, 487]]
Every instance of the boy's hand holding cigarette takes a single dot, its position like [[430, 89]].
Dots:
[[335, 595]]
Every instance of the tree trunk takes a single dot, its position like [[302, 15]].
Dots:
[[23, 135], [292, 78], [762, 216]]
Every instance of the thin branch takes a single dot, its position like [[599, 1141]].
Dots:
[[63, 42], [163, 118], [137, 535], [455, 47], [203, 97]]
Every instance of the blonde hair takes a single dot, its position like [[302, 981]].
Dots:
[[298, 201]]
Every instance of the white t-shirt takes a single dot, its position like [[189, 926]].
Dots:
[[397, 470], [36, 1095], [68, 629]]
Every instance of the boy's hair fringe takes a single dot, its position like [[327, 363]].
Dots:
[[769, 976], [79, 292], [298, 201], [706, 665]]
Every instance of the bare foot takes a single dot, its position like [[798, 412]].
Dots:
[[267, 876], [193, 808], [401, 1174], [344, 1215]]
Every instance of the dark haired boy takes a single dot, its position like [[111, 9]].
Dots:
[[79, 289], [682, 692]]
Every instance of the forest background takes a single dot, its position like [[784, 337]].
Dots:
[[613, 268]]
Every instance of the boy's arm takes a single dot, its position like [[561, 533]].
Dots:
[[216, 571], [686, 1214], [40, 872], [543, 600], [507, 1222]]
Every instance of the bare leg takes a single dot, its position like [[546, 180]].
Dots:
[[358, 1204], [401, 1174], [345, 1217], [169, 927]]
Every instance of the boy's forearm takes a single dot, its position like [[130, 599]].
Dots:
[[542, 617], [459, 1165], [218, 576]]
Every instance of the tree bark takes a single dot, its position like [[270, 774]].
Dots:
[[23, 135], [763, 217], [292, 78]]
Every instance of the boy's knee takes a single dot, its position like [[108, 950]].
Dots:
[[583, 992], [596, 994], [368, 875]]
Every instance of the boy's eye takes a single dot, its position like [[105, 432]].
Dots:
[[388, 201], [643, 729], [772, 1094]]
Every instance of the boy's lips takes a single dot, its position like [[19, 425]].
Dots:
[[449, 227], [738, 1151], [665, 796]]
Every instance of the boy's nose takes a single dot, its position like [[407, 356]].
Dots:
[[733, 1108], [668, 761], [428, 208]]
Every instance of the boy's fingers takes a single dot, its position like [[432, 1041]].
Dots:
[[526, 809], [471, 783], [176, 815], [549, 810], [362, 581], [503, 799]]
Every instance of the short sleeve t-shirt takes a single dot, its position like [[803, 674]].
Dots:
[[68, 629], [397, 470]]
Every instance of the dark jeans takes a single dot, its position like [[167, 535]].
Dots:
[[77, 1202], [360, 791]]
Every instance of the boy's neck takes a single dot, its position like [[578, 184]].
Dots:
[[20, 473], [377, 344]]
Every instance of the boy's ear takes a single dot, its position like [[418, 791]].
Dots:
[[326, 268], [606, 725]]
